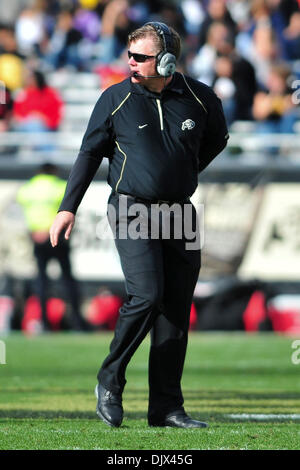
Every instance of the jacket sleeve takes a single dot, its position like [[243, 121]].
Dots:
[[216, 133], [96, 144]]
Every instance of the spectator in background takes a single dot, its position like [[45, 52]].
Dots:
[[264, 16], [219, 41], [11, 60], [240, 12], [40, 198], [219, 65], [116, 25], [173, 16], [217, 11], [235, 84], [291, 38], [63, 47], [6, 105], [30, 28], [274, 109], [263, 52], [88, 23], [38, 107], [277, 20], [194, 14]]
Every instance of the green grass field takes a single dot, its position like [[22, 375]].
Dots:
[[47, 401]]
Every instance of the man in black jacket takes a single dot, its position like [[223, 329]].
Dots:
[[159, 129]]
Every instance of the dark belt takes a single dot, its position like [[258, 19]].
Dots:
[[151, 201]]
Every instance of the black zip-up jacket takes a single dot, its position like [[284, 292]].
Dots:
[[156, 143]]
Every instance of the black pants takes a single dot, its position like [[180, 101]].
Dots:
[[160, 278], [43, 253]]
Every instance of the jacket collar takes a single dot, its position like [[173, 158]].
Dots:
[[175, 85]]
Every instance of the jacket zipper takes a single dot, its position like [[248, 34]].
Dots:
[[160, 115]]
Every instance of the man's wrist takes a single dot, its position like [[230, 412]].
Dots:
[[65, 210]]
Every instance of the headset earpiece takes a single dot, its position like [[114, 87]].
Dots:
[[166, 65], [165, 61]]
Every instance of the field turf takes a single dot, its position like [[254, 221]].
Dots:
[[245, 386]]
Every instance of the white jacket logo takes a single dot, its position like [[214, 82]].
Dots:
[[188, 124]]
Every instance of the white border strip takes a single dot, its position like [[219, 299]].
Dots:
[[263, 416]]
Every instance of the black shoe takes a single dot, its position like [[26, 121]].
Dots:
[[109, 406], [179, 419]]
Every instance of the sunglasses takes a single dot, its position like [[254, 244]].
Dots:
[[139, 57]]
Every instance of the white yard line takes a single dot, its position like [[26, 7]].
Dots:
[[258, 416]]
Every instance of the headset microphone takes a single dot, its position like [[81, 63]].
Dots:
[[137, 75]]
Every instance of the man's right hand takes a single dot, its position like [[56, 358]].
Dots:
[[63, 221]]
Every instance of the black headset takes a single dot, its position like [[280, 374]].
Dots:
[[165, 61]]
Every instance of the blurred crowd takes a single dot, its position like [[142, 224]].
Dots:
[[247, 50]]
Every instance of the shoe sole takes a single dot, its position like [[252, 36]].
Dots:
[[100, 415], [178, 427], [183, 427], [170, 425]]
